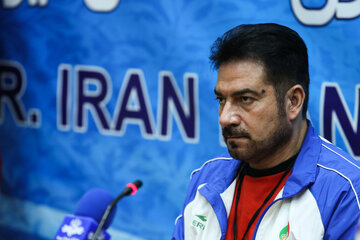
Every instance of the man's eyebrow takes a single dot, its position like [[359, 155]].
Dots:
[[246, 91], [217, 93], [242, 92]]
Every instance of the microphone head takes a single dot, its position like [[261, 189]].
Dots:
[[94, 203], [138, 183], [131, 188]]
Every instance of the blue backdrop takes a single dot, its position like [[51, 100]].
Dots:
[[98, 93]]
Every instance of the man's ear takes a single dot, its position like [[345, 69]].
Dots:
[[294, 99]]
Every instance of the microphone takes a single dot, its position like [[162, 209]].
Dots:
[[88, 214], [131, 188]]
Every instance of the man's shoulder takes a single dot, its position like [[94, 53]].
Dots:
[[334, 158], [339, 169], [222, 163], [217, 173]]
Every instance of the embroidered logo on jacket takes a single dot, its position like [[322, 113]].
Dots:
[[284, 233], [199, 224], [202, 218]]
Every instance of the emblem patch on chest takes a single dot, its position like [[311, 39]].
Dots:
[[284, 233]]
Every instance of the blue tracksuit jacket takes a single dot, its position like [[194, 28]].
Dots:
[[320, 199]]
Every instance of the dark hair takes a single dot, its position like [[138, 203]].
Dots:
[[280, 49]]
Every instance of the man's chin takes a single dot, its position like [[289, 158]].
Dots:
[[238, 155]]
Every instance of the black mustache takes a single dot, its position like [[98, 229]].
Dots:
[[234, 132]]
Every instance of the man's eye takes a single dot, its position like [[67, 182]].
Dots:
[[246, 99], [220, 100]]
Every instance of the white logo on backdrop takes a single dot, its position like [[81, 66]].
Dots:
[[321, 16], [94, 5], [102, 5], [15, 3]]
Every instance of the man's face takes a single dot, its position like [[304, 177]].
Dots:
[[253, 126]]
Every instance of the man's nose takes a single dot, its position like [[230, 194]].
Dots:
[[229, 115]]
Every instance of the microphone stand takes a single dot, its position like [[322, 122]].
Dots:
[[127, 191]]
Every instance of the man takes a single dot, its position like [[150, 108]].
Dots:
[[281, 180]]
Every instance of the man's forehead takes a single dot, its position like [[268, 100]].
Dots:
[[242, 71], [243, 63], [236, 80], [235, 84]]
